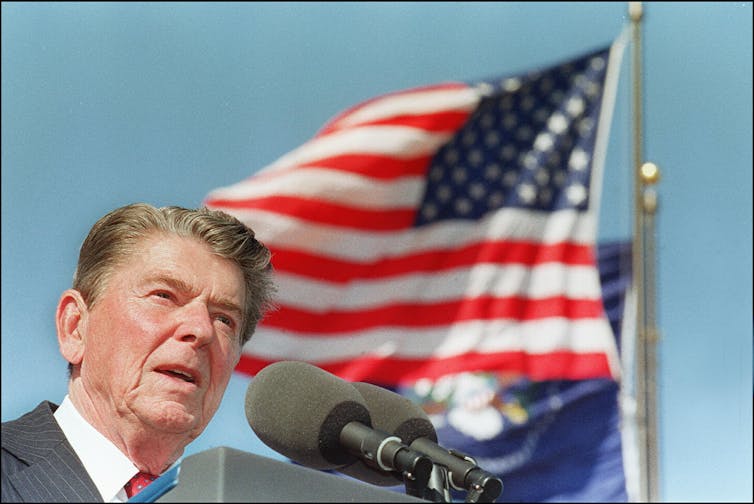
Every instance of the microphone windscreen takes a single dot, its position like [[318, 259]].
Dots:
[[394, 414], [299, 410]]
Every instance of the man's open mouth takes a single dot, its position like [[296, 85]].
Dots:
[[178, 373]]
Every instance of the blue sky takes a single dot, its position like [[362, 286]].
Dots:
[[105, 104]]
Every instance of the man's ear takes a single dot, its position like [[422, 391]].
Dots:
[[70, 320]]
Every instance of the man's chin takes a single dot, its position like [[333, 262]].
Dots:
[[173, 418]]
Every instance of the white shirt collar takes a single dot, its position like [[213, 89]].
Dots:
[[108, 467]]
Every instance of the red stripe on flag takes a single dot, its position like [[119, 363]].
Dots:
[[432, 314], [556, 365], [494, 252], [334, 123], [373, 166], [323, 212], [437, 122]]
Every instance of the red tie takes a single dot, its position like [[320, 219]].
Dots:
[[138, 483]]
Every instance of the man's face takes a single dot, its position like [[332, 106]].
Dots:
[[162, 339]]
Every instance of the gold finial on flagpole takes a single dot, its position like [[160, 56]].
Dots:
[[635, 11], [650, 173]]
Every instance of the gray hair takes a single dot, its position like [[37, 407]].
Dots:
[[115, 236]]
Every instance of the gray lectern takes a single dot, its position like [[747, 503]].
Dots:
[[229, 475]]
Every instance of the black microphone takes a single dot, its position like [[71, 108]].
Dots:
[[321, 421], [396, 414]]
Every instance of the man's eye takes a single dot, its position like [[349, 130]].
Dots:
[[225, 320], [164, 295]]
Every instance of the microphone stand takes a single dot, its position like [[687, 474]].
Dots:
[[482, 487], [438, 486], [417, 479]]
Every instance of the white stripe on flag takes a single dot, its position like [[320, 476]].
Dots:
[[542, 281], [278, 230], [327, 185], [535, 337], [413, 103], [394, 141]]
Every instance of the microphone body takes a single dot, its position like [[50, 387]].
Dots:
[[396, 414], [388, 452]]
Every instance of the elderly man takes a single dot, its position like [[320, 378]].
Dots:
[[163, 300]]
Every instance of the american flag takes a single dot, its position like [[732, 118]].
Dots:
[[442, 229]]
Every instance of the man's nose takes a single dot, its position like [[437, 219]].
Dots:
[[195, 324]]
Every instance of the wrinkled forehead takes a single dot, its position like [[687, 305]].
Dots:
[[182, 257]]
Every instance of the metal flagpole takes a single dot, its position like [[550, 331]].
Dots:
[[643, 259]]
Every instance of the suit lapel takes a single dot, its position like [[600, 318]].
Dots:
[[55, 473], [58, 479]]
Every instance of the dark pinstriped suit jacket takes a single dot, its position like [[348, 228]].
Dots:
[[38, 463]]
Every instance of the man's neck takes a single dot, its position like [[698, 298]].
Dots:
[[150, 450]]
